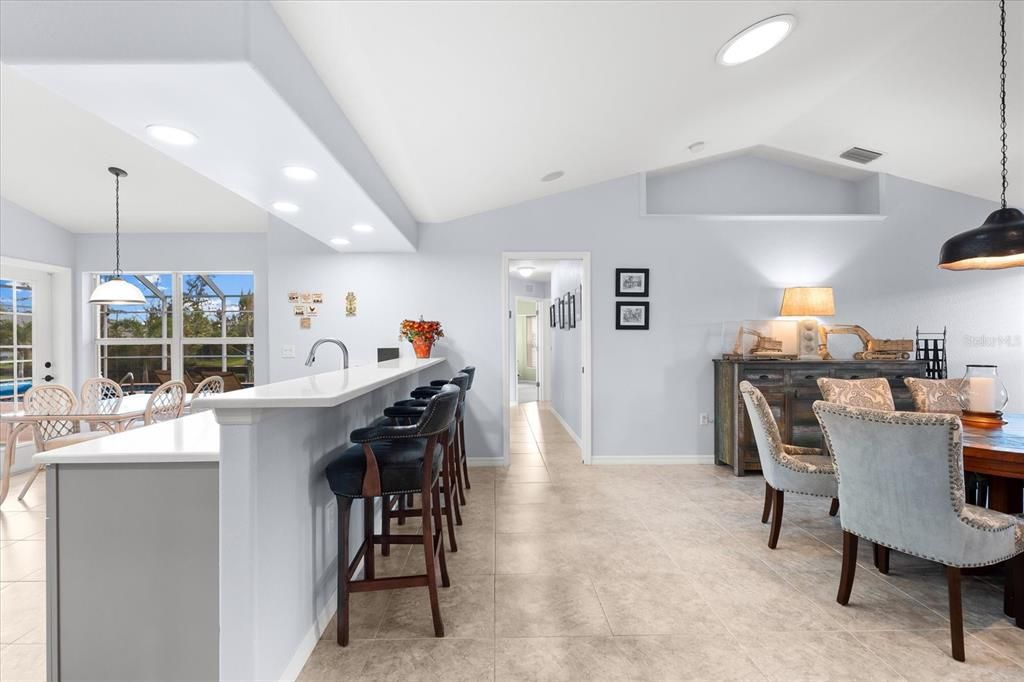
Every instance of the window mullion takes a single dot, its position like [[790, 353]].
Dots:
[[177, 324]]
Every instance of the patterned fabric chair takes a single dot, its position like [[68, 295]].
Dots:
[[935, 395], [879, 456], [871, 393], [787, 468], [101, 396], [55, 400]]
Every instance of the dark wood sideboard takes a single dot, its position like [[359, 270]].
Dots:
[[791, 387]]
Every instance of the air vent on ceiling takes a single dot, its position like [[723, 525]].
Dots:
[[860, 155]]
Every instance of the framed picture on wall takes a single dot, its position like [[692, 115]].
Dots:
[[572, 310], [632, 315], [562, 314], [551, 314], [632, 282]]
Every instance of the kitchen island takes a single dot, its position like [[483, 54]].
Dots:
[[206, 547]]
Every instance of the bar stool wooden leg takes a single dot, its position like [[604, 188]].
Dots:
[[385, 525], [344, 509], [368, 552], [463, 457], [430, 559], [452, 462], [442, 563], [451, 505]]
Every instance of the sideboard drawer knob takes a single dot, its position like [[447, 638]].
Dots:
[[764, 377]]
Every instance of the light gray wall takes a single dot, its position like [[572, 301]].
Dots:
[[193, 252], [752, 185], [26, 236], [567, 352], [649, 387]]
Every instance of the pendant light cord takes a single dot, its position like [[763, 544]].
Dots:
[[117, 226], [1002, 91]]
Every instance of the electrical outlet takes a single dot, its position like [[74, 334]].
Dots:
[[704, 420], [287, 351]]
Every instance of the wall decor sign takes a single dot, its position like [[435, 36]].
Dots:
[[572, 310], [293, 296], [312, 310], [305, 322], [632, 282], [632, 315], [350, 304], [317, 297], [298, 310]]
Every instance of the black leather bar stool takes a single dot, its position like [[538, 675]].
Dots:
[[405, 414], [424, 392], [388, 460]]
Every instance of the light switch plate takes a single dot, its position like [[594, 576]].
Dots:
[[288, 351]]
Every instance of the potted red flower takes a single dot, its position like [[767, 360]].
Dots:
[[422, 333]]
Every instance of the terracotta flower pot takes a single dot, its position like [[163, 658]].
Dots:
[[422, 347]]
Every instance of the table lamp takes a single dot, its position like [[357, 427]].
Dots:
[[808, 303]]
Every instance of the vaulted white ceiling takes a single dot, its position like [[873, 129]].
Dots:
[[467, 104]]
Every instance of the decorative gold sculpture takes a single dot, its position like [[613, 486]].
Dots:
[[874, 349], [350, 304], [765, 347]]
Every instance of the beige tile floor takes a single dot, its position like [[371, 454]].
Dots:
[[22, 583], [570, 572]]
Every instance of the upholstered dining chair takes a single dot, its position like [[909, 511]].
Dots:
[[879, 456], [58, 401], [787, 468], [100, 395], [869, 393], [935, 395]]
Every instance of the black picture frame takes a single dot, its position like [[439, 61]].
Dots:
[[619, 312], [561, 313], [572, 310], [630, 277], [551, 315]]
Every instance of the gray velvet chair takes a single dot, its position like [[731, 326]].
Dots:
[[935, 395], [869, 393], [901, 485], [787, 468]]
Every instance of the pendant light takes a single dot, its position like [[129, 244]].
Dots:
[[999, 242], [116, 290]]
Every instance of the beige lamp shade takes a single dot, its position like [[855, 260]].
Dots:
[[807, 302]]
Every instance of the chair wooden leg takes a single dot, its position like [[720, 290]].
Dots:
[[834, 509], [369, 569], [1013, 596], [402, 506], [452, 463], [30, 481], [849, 568], [385, 525], [766, 514], [457, 463], [451, 504], [442, 562], [956, 613], [344, 507], [427, 530], [773, 536], [881, 553], [463, 456]]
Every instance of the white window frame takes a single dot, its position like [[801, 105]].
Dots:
[[176, 340]]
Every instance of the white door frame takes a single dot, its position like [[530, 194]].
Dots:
[[587, 376], [540, 308]]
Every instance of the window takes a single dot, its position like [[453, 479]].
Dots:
[[15, 339], [191, 326]]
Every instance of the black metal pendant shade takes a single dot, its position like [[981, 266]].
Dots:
[[997, 244]]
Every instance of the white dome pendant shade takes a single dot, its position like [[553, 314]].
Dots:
[[116, 290]]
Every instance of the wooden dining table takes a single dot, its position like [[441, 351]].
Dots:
[[132, 408], [998, 454]]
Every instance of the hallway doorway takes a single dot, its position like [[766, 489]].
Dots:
[[546, 343]]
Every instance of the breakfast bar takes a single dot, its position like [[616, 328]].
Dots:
[[213, 552]]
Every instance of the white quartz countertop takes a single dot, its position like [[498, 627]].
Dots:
[[193, 438], [319, 390]]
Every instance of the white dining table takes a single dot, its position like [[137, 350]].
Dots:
[[108, 418]]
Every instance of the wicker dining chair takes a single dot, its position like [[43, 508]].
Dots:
[[100, 395], [166, 403], [58, 401]]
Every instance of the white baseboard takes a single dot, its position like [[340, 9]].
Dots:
[[573, 434], [653, 459], [485, 461]]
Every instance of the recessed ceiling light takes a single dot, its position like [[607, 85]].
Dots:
[[172, 135], [362, 227], [340, 241], [553, 175], [284, 206], [526, 271], [300, 173], [754, 41]]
